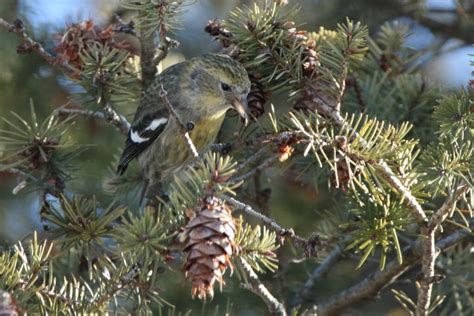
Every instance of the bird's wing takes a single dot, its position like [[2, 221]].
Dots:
[[145, 128]]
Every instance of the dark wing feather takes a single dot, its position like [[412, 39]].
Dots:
[[143, 132], [151, 110]]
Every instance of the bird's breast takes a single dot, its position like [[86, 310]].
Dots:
[[205, 131], [170, 153]]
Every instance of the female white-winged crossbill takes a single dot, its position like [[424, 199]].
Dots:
[[201, 90]]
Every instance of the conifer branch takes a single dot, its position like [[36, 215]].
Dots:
[[52, 295], [31, 45], [309, 245], [381, 279], [354, 83], [119, 121], [7, 304], [166, 44], [18, 28], [147, 58], [268, 221], [262, 141], [430, 252], [315, 69], [443, 212], [275, 307], [263, 165], [385, 171], [410, 200], [425, 285], [160, 15], [252, 159], [184, 129]]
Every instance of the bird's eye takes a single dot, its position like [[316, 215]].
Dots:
[[225, 86]]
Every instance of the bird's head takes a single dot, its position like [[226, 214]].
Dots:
[[223, 81]]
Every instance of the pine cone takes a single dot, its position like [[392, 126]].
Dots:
[[209, 243], [257, 97]]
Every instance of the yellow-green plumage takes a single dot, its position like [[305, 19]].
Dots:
[[158, 166], [201, 90]]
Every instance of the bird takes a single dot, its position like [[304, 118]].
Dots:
[[201, 90]]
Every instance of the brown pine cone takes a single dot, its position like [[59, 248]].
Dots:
[[208, 244]]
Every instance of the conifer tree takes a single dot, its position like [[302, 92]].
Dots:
[[359, 122]]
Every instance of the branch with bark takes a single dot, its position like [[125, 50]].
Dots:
[[18, 28], [310, 246], [117, 120], [331, 111], [148, 63], [109, 114], [377, 281], [275, 307], [30, 45]]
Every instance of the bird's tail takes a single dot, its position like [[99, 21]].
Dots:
[[144, 192], [154, 193], [121, 168]]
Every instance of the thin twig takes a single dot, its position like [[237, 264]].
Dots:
[[275, 307], [409, 199], [150, 58], [252, 159], [443, 212], [52, 294], [262, 141], [119, 121], [427, 228], [179, 122], [385, 171], [317, 273], [110, 114], [428, 259], [19, 30], [309, 245], [265, 164], [375, 282], [166, 44]]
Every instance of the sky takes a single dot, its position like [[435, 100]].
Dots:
[[43, 13]]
